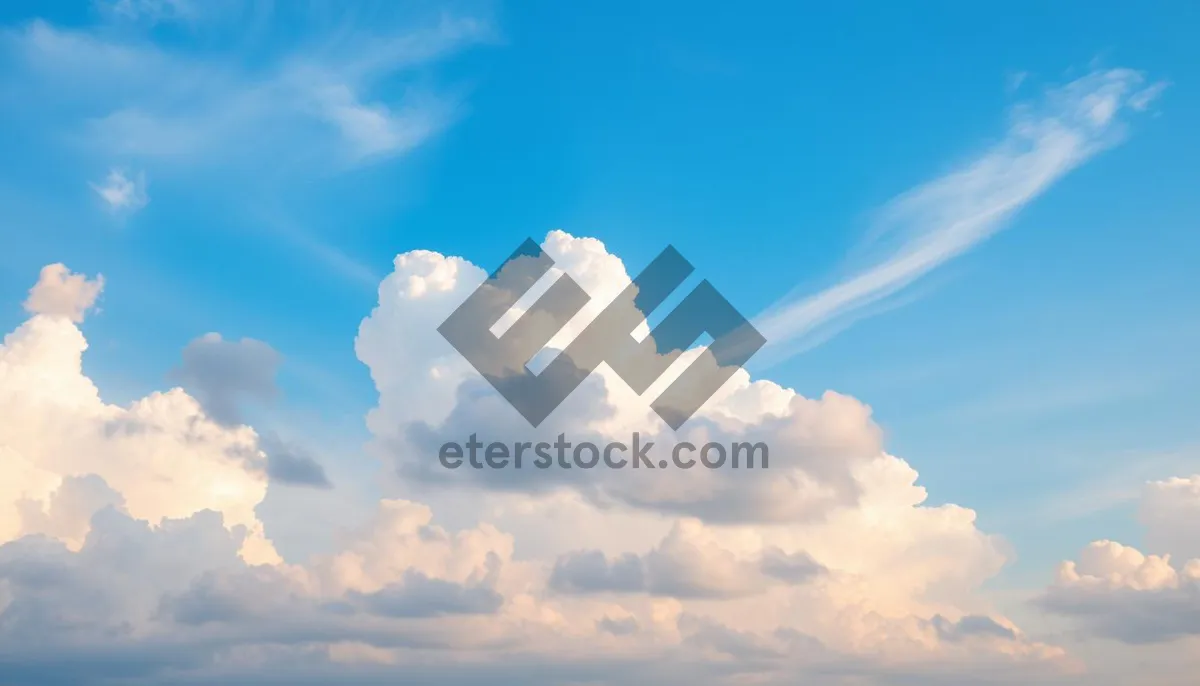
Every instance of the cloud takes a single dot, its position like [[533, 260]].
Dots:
[[223, 373], [67, 513], [292, 464], [131, 548], [943, 218], [121, 193], [688, 563], [972, 626], [371, 130], [161, 453], [590, 572], [238, 95], [814, 444], [60, 293], [1170, 512], [1117, 591], [322, 101], [255, 94], [421, 597], [831, 472]]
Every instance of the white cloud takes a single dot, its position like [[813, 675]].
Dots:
[[122, 193], [1117, 591], [867, 563], [59, 293], [151, 550], [161, 454], [947, 216], [371, 129], [815, 443]]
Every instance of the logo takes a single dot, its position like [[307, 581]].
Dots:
[[502, 359]]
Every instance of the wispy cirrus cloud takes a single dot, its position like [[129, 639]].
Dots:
[[326, 97], [258, 96], [943, 218]]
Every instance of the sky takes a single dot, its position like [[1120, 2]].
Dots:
[[231, 229]]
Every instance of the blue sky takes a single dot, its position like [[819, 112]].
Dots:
[[1039, 376]]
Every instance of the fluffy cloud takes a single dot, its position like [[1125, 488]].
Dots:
[[1119, 592], [59, 293], [162, 454], [134, 550], [814, 444], [832, 542]]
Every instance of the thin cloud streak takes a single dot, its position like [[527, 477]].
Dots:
[[315, 247], [947, 216], [327, 102], [324, 103]]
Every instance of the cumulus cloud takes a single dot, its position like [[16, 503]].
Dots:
[[131, 548], [857, 533], [1119, 592], [162, 453], [121, 193], [67, 513], [814, 444], [60, 293]]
